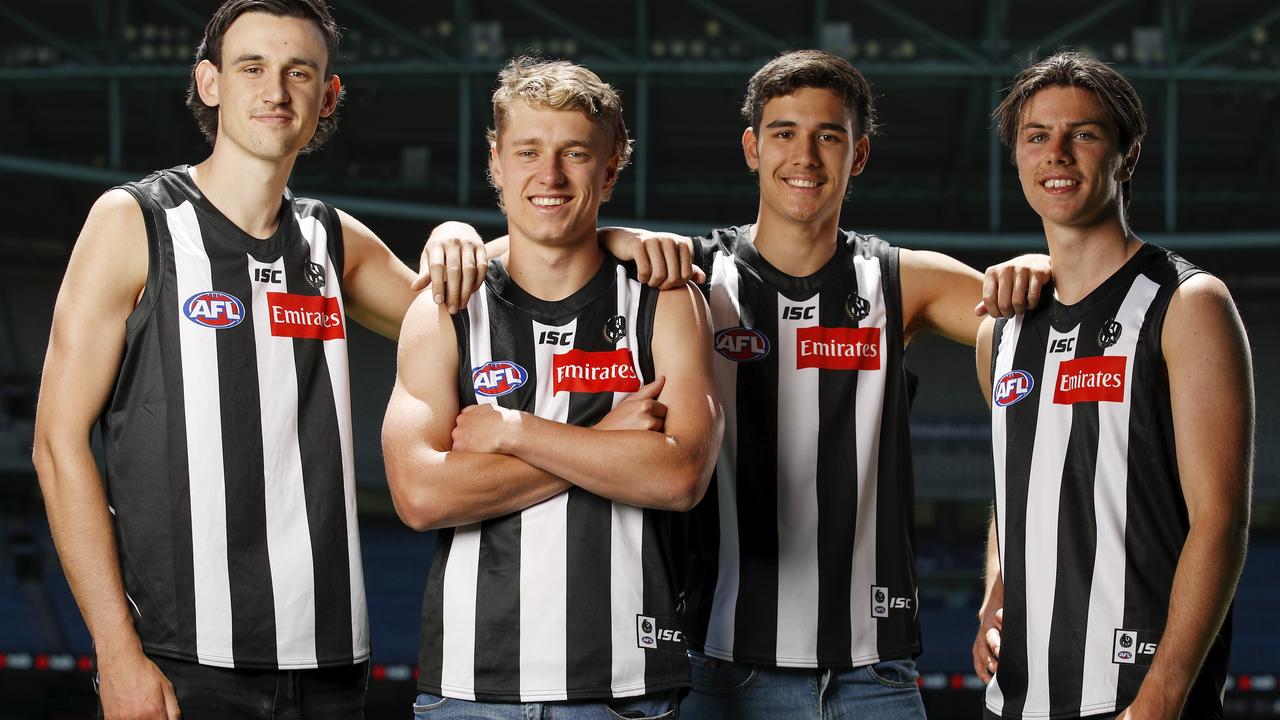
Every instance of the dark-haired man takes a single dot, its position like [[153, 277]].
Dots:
[[1122, 435], [203, 319]]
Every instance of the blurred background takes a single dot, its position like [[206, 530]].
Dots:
[[91, 94]]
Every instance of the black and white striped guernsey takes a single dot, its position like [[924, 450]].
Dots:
[[807, 537], [1090, 515], [571, 598], [228, 440]]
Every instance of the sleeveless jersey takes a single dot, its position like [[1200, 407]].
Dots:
[[806, 548], [228, 440], [572, 598], [1090, 515]]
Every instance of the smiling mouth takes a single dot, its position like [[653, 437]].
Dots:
[[802, 183], [548, 201], [1059, 183]]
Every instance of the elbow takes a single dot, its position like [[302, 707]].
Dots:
[[686, 489], [415, 506]]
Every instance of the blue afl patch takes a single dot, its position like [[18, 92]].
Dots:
[[214, 309], [497, 378], [1012, 387]]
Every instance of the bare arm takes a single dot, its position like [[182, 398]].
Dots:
[[104, 278], [938, 293], [986, 646], [1210, 386], [434, 483], [667, 470], [375, 283]]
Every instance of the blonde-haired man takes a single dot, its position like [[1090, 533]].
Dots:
[[545, 429]]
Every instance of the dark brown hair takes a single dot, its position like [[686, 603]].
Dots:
[[211, 49], [791, 71], [1073, 69]]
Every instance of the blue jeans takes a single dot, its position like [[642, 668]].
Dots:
[[737, 691], [654, 706]]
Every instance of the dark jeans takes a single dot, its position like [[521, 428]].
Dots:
[[214, 693]]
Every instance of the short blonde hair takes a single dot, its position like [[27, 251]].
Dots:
[[560, 85]]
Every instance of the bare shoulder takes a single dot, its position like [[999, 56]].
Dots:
[[682, 307], [110, 254], [1200, 306]]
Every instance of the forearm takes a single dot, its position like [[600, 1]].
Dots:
[[434, 489], [1203, 585], [636, 467], [80, 522], [993, 584]]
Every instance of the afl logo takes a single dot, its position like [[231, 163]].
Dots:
[[497, 378], [214, 309], [742, 344], [1011, 388]]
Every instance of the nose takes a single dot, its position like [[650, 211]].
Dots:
[[805, 152], [1059, 150], [552, 172], [275, 90]]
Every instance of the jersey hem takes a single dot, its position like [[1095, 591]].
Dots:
[[234, 664], [458, 692], [1084, 711], [907, 652]]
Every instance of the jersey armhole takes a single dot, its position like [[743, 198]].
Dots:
[[462, 336], [336, 244], [645, 315], [154, 284]]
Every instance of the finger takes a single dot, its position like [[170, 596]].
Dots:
[[989, 285], [686, 262], [980, 309], [171, 708], [979, 662], [1020, 292], [435, 268], [482, 266], [1005, 300], [671, 256], [1033, 290], [644, 268], [652, 390], [657, 264], [699, 277], [468, 277], [453, 276], [1000, 619], [993, 641], [658, 410]]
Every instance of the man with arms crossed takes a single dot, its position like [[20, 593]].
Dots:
[[202, 317], [509, 427], [1122, 435]]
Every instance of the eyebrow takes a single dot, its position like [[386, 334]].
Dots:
[[538, 141], [254, 57], [1072, 124], [823, 125]]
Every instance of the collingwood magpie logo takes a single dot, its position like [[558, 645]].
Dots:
[[856, 307], [1109, 334], [314, 274], [615, 328]]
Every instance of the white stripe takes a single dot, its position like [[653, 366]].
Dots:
[[462, 567], [1003, 347], [335, 352], [726, 313], [626, 575], [288, 535], [870, 415], [544, 556], [797, 492], [203, 418], [1044, 491], [1110, 488]]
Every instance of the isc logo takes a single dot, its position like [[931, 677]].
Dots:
[[214, 309], [1012, 387], [882, 601], [741, 344], [797, 312], [650, 634], [555, 337], [497, 378]]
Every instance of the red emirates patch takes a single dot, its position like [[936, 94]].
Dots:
[[594, 372], [1090, 379], [314, 317], [838, 348]]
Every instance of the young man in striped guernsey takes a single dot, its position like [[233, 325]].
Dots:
[[552, 593], [203, 318], [1122, 434]]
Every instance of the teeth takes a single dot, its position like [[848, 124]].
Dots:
[[802, 183], [548, 202], [1059, 183]]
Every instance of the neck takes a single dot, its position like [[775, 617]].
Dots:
[[552, 272], [1083, 258], [797, 249], [246, 189]]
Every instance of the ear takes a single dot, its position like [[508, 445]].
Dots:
[[495, 167], [861, 151], [750, 149], [610, 176], [207, 75], [332, 93], [1129, 164]]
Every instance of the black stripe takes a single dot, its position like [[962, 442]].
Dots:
[[320, 450], [431, 639], [898, 635], [837, 487], [589, 647], [1021, 419], [756, 619], [497, 671], [253, 625], [1077, 545]]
